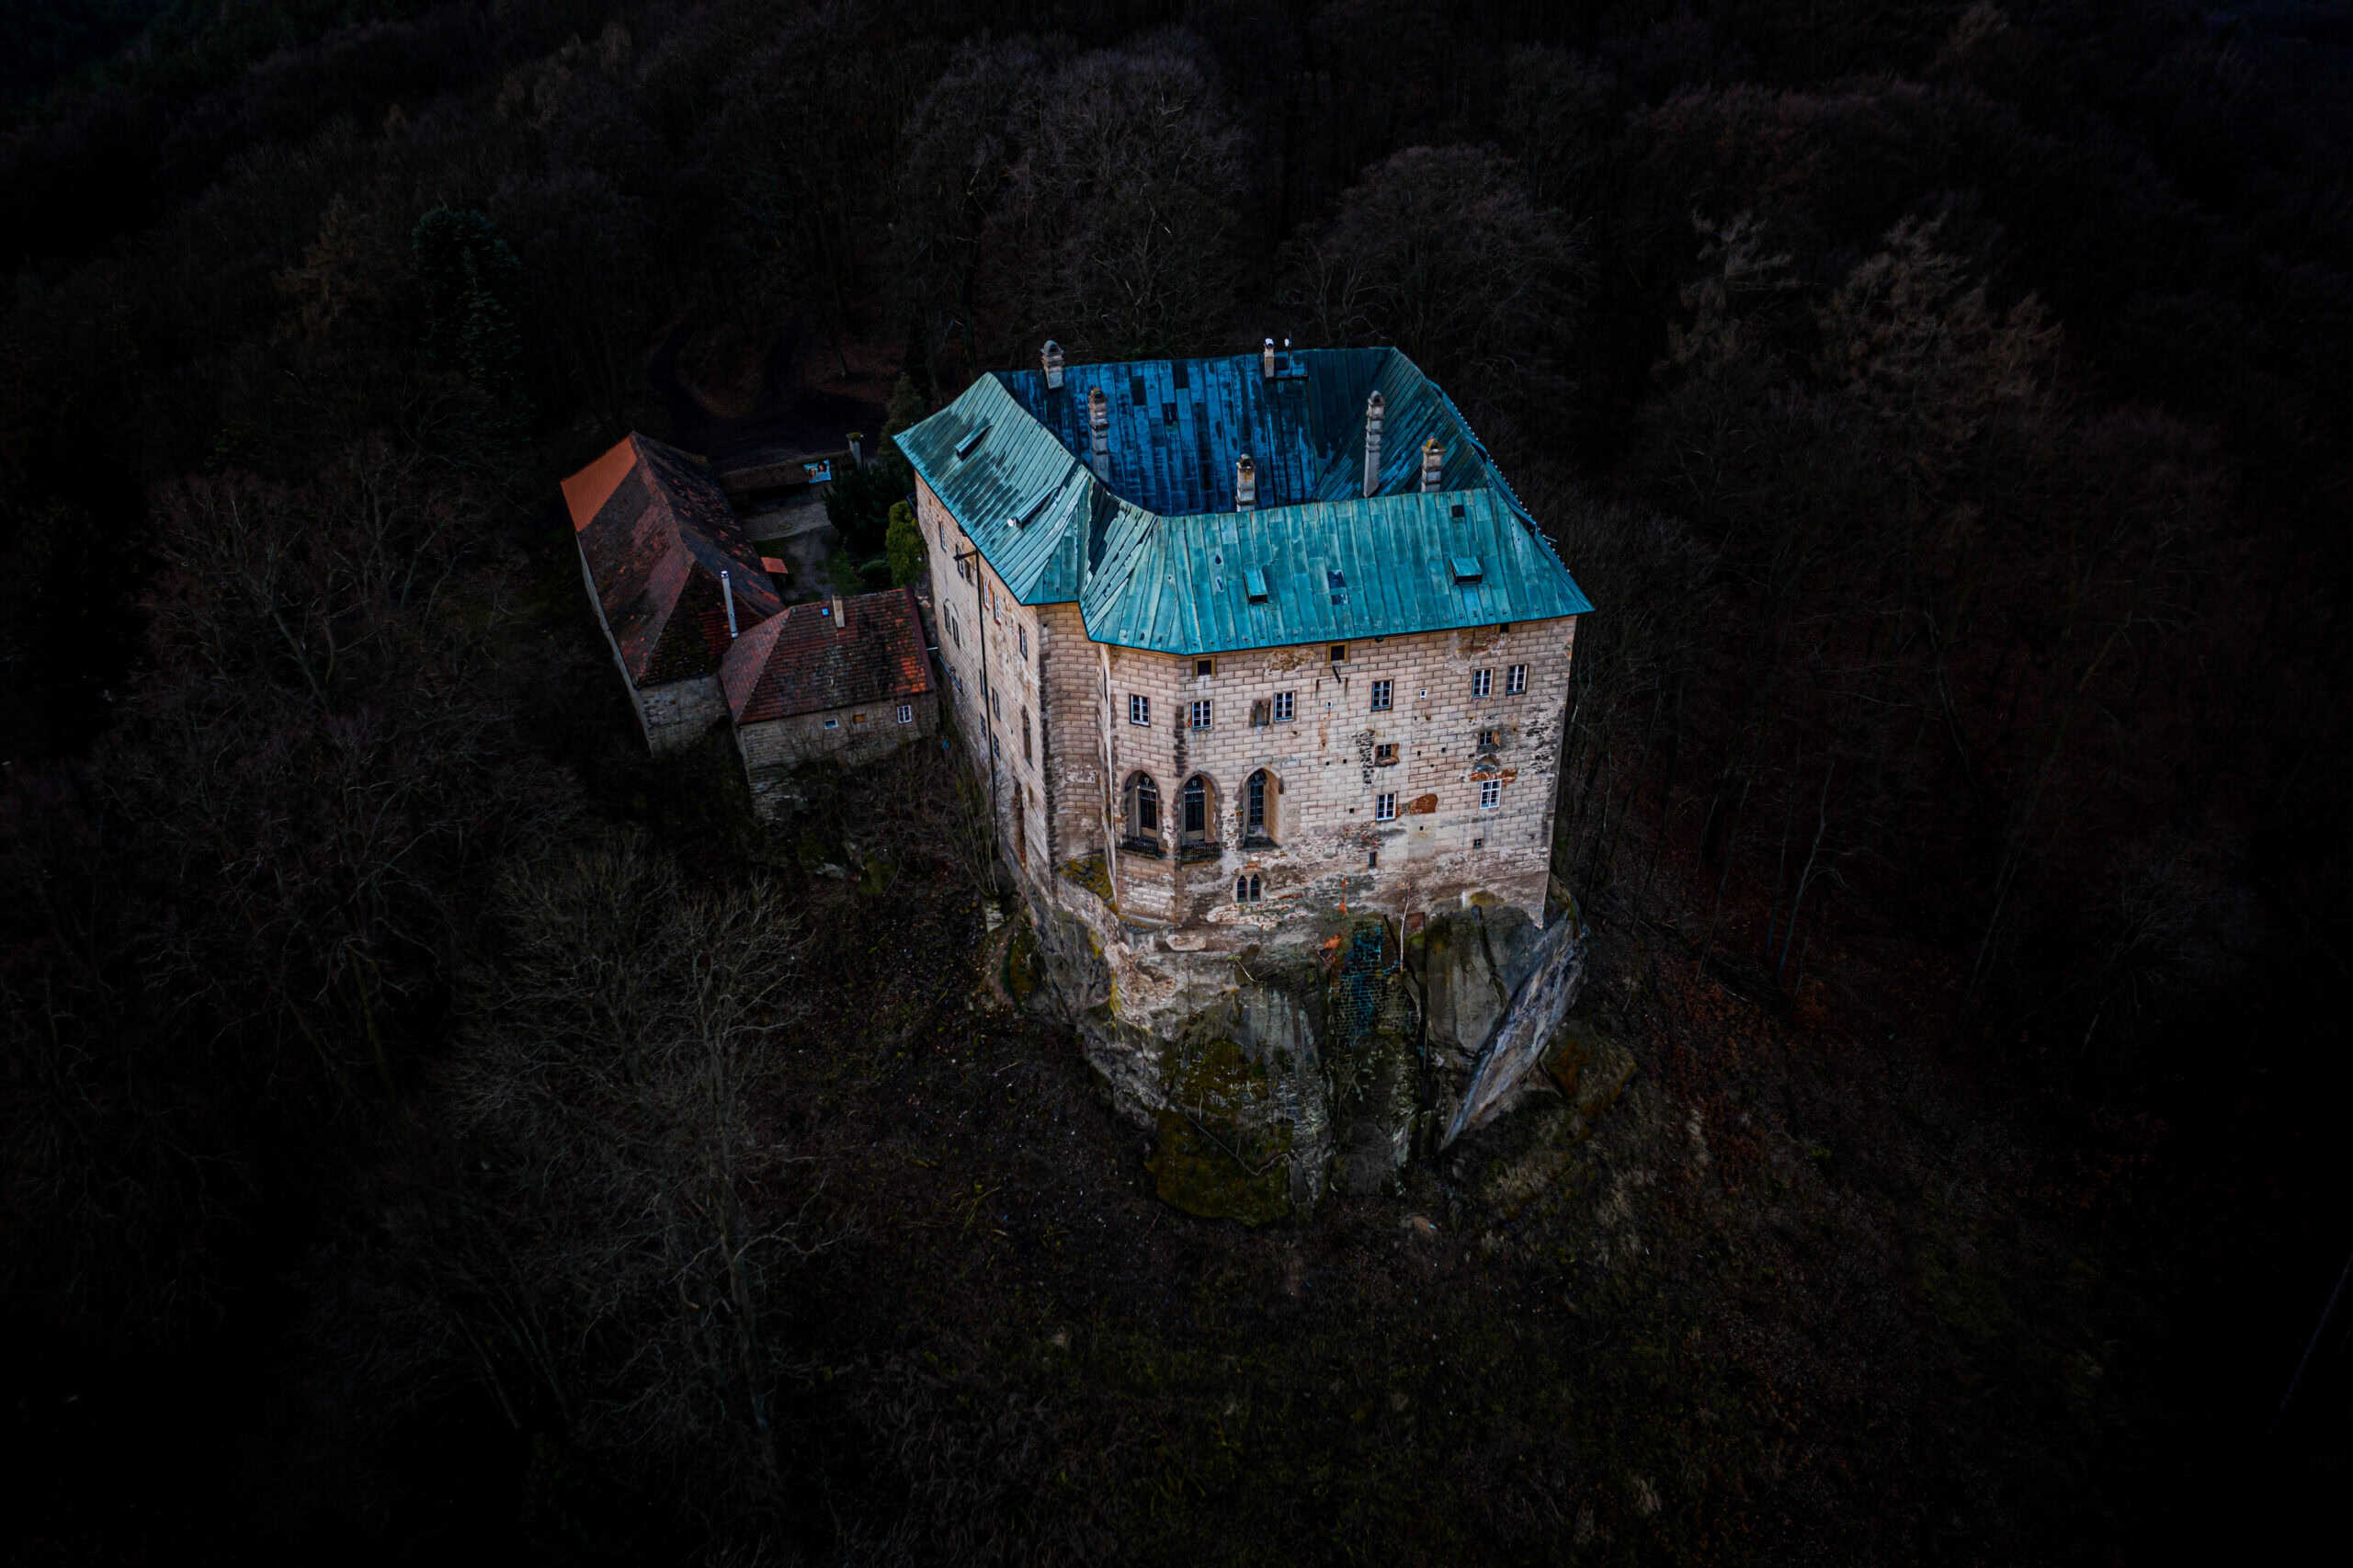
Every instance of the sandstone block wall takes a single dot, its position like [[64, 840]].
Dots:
[[677, 714]]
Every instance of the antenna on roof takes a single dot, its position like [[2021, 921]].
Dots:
[[727, 590]]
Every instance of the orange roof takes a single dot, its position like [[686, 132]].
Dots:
[[657, 532], [804, 661]]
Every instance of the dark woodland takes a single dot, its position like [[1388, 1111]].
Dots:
[[431, 1129]]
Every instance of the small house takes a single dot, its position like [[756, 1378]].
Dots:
[[673, 579], [848, 678]]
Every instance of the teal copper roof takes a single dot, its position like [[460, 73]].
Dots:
[[1155, 550]]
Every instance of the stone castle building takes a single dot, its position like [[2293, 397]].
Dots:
[[1264, 669], [1266, 635]]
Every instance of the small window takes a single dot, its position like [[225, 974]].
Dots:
[[1515, 680], [1255, 804], [1372, 859], [1384, 756], [1200, 715], [1254, 582], [1339, 653], [1204, 668], [1381, 695], [1025, 735], [1491, 793], [1483, 683], [906, 713], [953, 636], [1283, 706], [833, 723], [1139, 711], [1487, 740], [991, 745], [1261, 713], [1466, 568], [1021, 640], [857, 719], [1384, 806], [1478, 844], [1247, 890]]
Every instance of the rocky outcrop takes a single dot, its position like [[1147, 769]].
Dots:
[[1321, 1059]]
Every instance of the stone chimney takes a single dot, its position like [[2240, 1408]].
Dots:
[[1374, 408], [1246, 484], [1433, 459], [841, 615], [1098, 424], [1053, 359], [1266, 360], [727, 591]]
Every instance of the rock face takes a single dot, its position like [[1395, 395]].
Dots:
[[1320, 1060]]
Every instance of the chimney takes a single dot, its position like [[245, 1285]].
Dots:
[[1098, 421], [1245, 486], [856, 449], [1374, 408], [1052, 358], [727, 591], [1433, 459], [841, 615], [1266, 360]]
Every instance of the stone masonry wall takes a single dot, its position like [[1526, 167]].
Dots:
[[1326, 840], [772, 750]]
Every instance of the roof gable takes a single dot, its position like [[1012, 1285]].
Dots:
[[656, 531]]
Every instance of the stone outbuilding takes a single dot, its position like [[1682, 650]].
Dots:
[[674, 578], [846, 678]]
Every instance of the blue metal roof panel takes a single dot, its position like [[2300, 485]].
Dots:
[[1158, 557]]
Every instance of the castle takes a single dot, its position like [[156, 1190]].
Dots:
[[1262, 635]]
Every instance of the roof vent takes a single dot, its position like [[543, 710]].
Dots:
[[1254, 581], [1266, 360], [1374, 406], [1052, 358], [1433, 459], [965, 447], [1466, 569], [1246, 480]]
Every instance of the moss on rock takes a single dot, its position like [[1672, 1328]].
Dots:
[[1221, 1152]]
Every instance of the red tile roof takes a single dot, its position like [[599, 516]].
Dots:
[[803, 662], [656, 531]]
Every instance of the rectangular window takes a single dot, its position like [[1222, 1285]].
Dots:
[[1516, 680], [1339, 653], [1282, 706], [1261, 714], [1486, 740], [1384, 806], [906, 713], [857, 719], [833, 723], [1021, 640], [1025, 735], [1381, 695], [1482, 682], [1384, 756], [953, 635], [1139, 711], [1491, 793], [1204, 668], [1200, 715]]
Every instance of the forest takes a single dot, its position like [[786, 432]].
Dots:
[[431, 1127]]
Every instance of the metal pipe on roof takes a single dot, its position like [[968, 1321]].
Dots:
[[727, 591]]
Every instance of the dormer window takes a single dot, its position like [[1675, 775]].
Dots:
[[1466, 569], [965, 447]]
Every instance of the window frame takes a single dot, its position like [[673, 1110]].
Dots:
[[1516, 680], [1384, 806], [1482, 682], [1286, 706], [1384, 695], [1200, 714], [906, 712], [1140, 711], [1491, 794]]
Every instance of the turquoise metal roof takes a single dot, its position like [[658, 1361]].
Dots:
[[1155, 554]]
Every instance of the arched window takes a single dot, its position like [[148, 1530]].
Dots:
[[1258, 799], [1195, 814], [1141, 810]]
